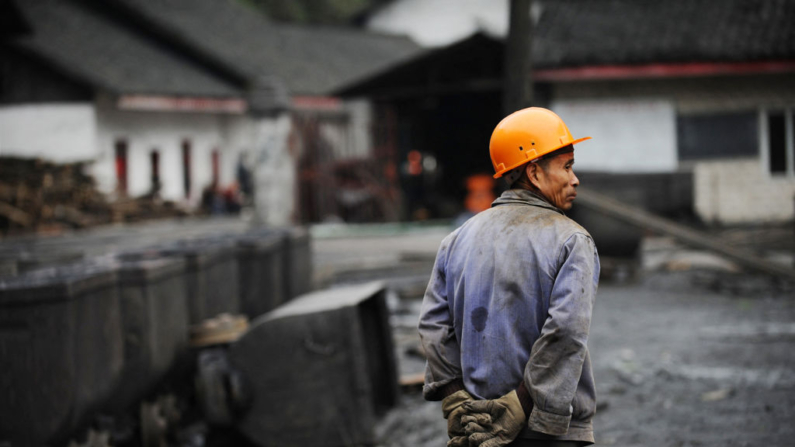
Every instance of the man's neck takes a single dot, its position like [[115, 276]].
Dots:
[[525, 184]]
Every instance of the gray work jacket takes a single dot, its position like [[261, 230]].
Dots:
[[510, 299]]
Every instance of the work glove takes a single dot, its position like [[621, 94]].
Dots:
[[452, 407], [493, 423], [472, 422]]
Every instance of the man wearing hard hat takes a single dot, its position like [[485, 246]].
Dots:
[[506, 315]]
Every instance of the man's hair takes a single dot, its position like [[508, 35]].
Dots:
[[523, 182]]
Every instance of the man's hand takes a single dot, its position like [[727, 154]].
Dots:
[[493, 423], [472, 422], [452, 407]]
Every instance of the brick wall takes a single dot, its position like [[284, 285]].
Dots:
[[739, 191]]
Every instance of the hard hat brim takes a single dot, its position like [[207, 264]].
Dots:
[[508, 169], [580, 140]]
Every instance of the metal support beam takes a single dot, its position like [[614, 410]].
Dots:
[[518, 90], [686, 235]]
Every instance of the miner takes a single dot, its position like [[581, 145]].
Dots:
[[506, 315]]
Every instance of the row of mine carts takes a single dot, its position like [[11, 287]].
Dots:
[[91, 323]]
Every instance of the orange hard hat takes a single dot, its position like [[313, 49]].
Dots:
[[527, 135]]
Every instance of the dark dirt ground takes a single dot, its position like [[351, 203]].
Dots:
[[687, 349], [677, 363], [686, 352]]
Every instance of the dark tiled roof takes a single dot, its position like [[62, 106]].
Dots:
[[86, 46], [309, 59], [602, 32], [574, 33], [318, 59], [476, 58]]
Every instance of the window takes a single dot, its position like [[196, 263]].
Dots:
[[154, 162], [186, 180], [216, 166], [721, 135], [121, 166], [778, 149]]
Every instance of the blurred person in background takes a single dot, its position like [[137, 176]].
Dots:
[[244, 178], [506, 315]]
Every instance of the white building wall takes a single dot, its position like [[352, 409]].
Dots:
[[274, 166], [360, 130], [61, 133], [728, 191], [89, 132], [263, 144], [739, 191], [263, 140], [164, 132], [628, 135]]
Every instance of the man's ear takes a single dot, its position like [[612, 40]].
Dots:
[[532, 171]]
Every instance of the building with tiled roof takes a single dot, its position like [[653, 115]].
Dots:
[[690, 102], [173, 95], [310, 59]]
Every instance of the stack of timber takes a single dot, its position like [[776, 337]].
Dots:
[[39, 196]]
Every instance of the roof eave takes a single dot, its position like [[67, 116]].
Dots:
[[662, 70], [354, 86]]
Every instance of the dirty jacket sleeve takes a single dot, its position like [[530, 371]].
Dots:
[[443, 368], [556, 359]]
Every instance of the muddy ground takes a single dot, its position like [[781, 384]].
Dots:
[[686, 352]]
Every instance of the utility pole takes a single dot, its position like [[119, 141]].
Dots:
[[517, 90]]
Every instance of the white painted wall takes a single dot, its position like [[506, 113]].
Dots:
[[360, 128], [60, 133], [262, 139], [628, 135], [263, 142], [740, 191], [274, 170], [434, 23], [164, 132], [88, 132], [729, 191]]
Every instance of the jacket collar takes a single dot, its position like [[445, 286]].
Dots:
[[523, 197]]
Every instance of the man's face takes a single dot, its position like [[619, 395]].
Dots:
[[557, 182]]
